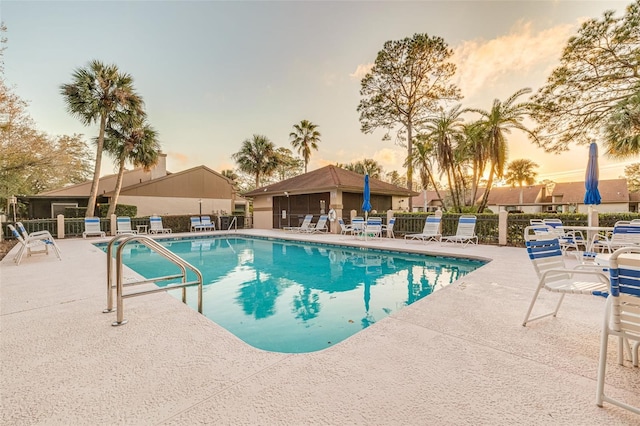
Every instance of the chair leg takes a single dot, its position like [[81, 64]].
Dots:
[[602, 363]]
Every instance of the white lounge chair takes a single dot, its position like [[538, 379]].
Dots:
[[465, 233], [92, 227], [388, 228], [344, 228], [123, 224], [206, 224], [554, 276], [34, 234], [430, 232], [196, 224], [320, 226], [155, 226], [40, 242], [304, 226], [621, 317]]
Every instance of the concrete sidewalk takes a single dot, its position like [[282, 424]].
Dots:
[[459, 356]]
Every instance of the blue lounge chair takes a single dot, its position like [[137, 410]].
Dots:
[[92, 227]]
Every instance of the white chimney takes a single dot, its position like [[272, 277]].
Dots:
[[160, 169]]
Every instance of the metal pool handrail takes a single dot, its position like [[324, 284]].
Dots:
[[234, 221], [152, 245]]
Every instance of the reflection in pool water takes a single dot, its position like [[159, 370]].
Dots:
[[287, 296]]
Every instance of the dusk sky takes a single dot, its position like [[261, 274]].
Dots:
[[214, 73]]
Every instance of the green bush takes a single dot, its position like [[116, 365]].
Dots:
[[121, 210]]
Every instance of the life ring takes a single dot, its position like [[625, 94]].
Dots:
[[332, 215]]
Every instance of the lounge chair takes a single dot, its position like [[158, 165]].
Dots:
[[155, 226], [430, 232], [465, 233], [206, 224], [92, 227], [304, 226], [621, 317], [320, 226], [344, 228], [34, 234], [39, 241], [196, 224], [123, 224], [554, 276], [388, 228]]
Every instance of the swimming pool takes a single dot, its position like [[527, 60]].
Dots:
[[293, 297]]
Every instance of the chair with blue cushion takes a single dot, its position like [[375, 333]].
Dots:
[[156, 227], [123, 225], [622, 317], [567, 239], [554, 276]]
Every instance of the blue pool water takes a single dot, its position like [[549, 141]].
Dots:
[[293, 297]]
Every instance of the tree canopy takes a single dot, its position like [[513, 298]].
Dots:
[[96, 94], [258, 157], [32, 161], [599, 70], [408, 81], [304, 138]]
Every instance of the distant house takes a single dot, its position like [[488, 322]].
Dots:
[[285, 203], [560, 197], [193, 191], [428, 201]]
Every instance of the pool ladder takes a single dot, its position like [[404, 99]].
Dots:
[[125, 239]]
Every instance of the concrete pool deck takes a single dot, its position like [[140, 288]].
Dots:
[[459, 356]]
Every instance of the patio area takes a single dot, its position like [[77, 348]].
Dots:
[[458, 356]]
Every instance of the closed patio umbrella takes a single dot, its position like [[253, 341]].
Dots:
[[366, 195], [592, 195]]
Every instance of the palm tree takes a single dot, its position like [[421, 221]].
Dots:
[[521, 171], [304, 138], [444, 131], [257, 156], [94, 95], [622, 131], [423, 152], [368, 166], [136, 142], [496, 123]]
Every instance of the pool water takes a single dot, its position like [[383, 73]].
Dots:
[[292, 297]]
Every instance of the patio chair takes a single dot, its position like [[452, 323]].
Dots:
[[567, 239], [430, 231], [320, 226], [621, 317], [372, 228], [344, 228], [554, 276], [304, 226], [92, 227], [388, 228], [625, 234], [34, 234], [196, 224], [465, 233], [357, 226], [41, 242], [206, 223], [123, 224], [155, 226]]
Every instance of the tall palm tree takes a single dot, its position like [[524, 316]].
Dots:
[[497, 123], [423, 152], [474, 141], [521, 172], [94, 95], [444, 132], [304, 138], [257, 156], [135, 142]]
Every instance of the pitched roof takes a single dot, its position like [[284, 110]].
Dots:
[[508, 195], [327, 178], [611, 191], [106, 184]]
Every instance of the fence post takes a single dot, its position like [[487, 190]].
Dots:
[[503, 216], [60, 223]]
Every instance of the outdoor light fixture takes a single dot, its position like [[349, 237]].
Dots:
[[200, 203]]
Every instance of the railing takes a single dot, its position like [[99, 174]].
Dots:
[[125, 239], [234, 221]]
